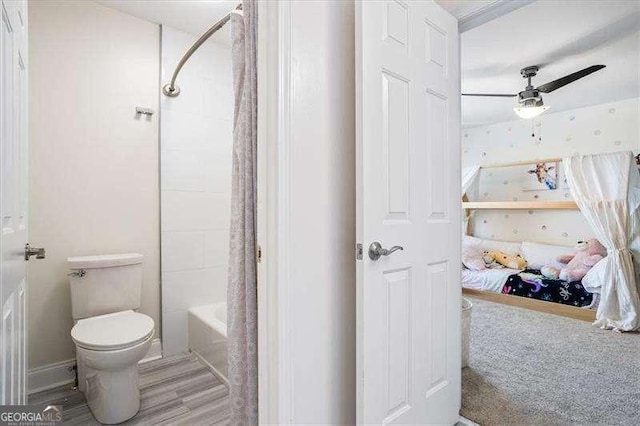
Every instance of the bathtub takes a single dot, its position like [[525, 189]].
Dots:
[[207, 337]]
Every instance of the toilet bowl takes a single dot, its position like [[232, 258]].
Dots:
[[110, 336], [108, 348]]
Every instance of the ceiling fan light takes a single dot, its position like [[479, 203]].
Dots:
[[531, 111]]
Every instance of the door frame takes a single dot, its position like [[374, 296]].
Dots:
[[275, 357], [276, 204], [275, 314], [14, 309]]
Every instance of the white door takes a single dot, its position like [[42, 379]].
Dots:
[[408, 194], [13, 200]]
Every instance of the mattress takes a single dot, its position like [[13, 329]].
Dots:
[[487, 279]]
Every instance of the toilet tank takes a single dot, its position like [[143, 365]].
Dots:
[[104, 284]]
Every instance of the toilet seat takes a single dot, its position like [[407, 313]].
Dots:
[[111, 332]]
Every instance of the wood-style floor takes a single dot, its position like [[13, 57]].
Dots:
[[175, 390]]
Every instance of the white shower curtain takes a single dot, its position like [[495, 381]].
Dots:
[[242, 321], [606, 188]]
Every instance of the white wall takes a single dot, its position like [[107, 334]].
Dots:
[[94, 164], [196, 144], [590, 130], [320, 332]]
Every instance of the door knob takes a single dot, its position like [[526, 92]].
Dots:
[[38, 252], [376, 250]]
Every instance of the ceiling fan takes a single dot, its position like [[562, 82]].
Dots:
[[530, 99]]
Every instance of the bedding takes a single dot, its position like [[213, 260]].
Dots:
[[472, 258], [488, 279], [492, 245], [528, 283], [539, 255]]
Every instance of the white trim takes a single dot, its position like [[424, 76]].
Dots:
[[51, 376], [210, 366], [154, 352], [359, 218], [466, 422], [267, 213], [489, 12], [283, 215], [62, 373], [275, 357]]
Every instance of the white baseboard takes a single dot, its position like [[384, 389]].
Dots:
[[51, 376], [154, 352], [61, 373], [466, 422]]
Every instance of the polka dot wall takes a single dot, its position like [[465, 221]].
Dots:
[[590, 130]]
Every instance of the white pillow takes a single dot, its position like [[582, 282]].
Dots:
[[538, 255], [468, 240], [472, 258], [492, 245]]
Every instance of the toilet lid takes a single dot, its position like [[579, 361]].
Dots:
[[112, 331]]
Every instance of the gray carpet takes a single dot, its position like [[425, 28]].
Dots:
[[528, 367]]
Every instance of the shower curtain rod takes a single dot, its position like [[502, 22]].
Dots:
[[171, 89]]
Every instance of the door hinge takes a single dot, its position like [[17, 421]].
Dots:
[[38, 252], [259, 254], [358, 251]]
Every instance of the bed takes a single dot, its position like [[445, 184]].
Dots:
[[528, 288]]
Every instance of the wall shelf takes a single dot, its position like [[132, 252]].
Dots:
[[521, 163], [520, 205]]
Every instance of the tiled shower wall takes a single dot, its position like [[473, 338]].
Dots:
[[196, 143]]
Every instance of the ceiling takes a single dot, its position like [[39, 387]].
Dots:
[[561, 37], [191, 16]]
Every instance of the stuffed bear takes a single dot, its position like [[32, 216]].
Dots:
[[588, 254], [490, 261], [507, 260]]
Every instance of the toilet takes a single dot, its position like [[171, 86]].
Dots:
[[110, 336]]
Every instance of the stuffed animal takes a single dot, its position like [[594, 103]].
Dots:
[[507, 260], [490, 261], [577, 265], [550, 272]]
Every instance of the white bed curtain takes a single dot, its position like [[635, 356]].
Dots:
[[469, 185], [606, 188], [469, 175]]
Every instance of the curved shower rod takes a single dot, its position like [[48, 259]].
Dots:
[[172, 89]]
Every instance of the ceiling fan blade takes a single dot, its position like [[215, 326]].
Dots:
[[494, 95], [556, 84]]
